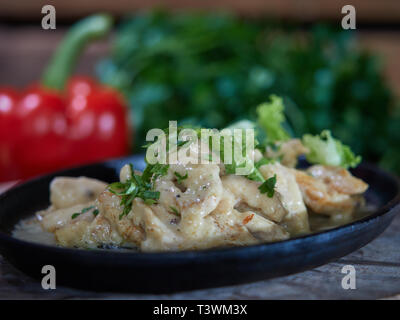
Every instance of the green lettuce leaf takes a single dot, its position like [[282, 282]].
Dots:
[[271, 118], [326, 150]]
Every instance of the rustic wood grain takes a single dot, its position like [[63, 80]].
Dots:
[[25, 52], [387, 46], [377, 269], [386, 11], [396, 297]]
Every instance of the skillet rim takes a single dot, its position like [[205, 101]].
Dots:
[[198, 254]]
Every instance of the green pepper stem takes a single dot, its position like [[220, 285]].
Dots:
[[64, 59]]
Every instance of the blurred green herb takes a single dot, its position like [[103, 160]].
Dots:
[[77, 214], [179, 177], [214, 69], [175, 211]]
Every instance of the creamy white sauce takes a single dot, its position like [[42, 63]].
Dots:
[[31, 230]]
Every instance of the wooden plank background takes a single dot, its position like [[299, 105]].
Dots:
[[371, 11]]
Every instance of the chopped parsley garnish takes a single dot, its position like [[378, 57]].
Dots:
[[153, 171], [268, 186], [87, 209], [182, 143], [179, 177], [175, 211], [77, 214], [263, 161], [139, 186]]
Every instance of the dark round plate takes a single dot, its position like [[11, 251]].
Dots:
[[175, 271]]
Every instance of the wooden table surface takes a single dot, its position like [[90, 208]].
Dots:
[[377, 268], [372, 11]]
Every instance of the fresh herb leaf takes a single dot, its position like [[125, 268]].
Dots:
[[149, 194], [179, 177], [268, 186], [138, 186], [125, 212], [256, 175], [154, 171], [175, 211], [75, 215], [263, 161], [95, 212], [116, 185], [87, 209], [150, 202]]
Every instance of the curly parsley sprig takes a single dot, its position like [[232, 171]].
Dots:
[[138, 186]]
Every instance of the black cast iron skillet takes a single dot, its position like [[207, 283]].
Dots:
[[176, 271]]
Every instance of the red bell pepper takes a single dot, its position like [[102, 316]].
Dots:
[[62, 122]]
